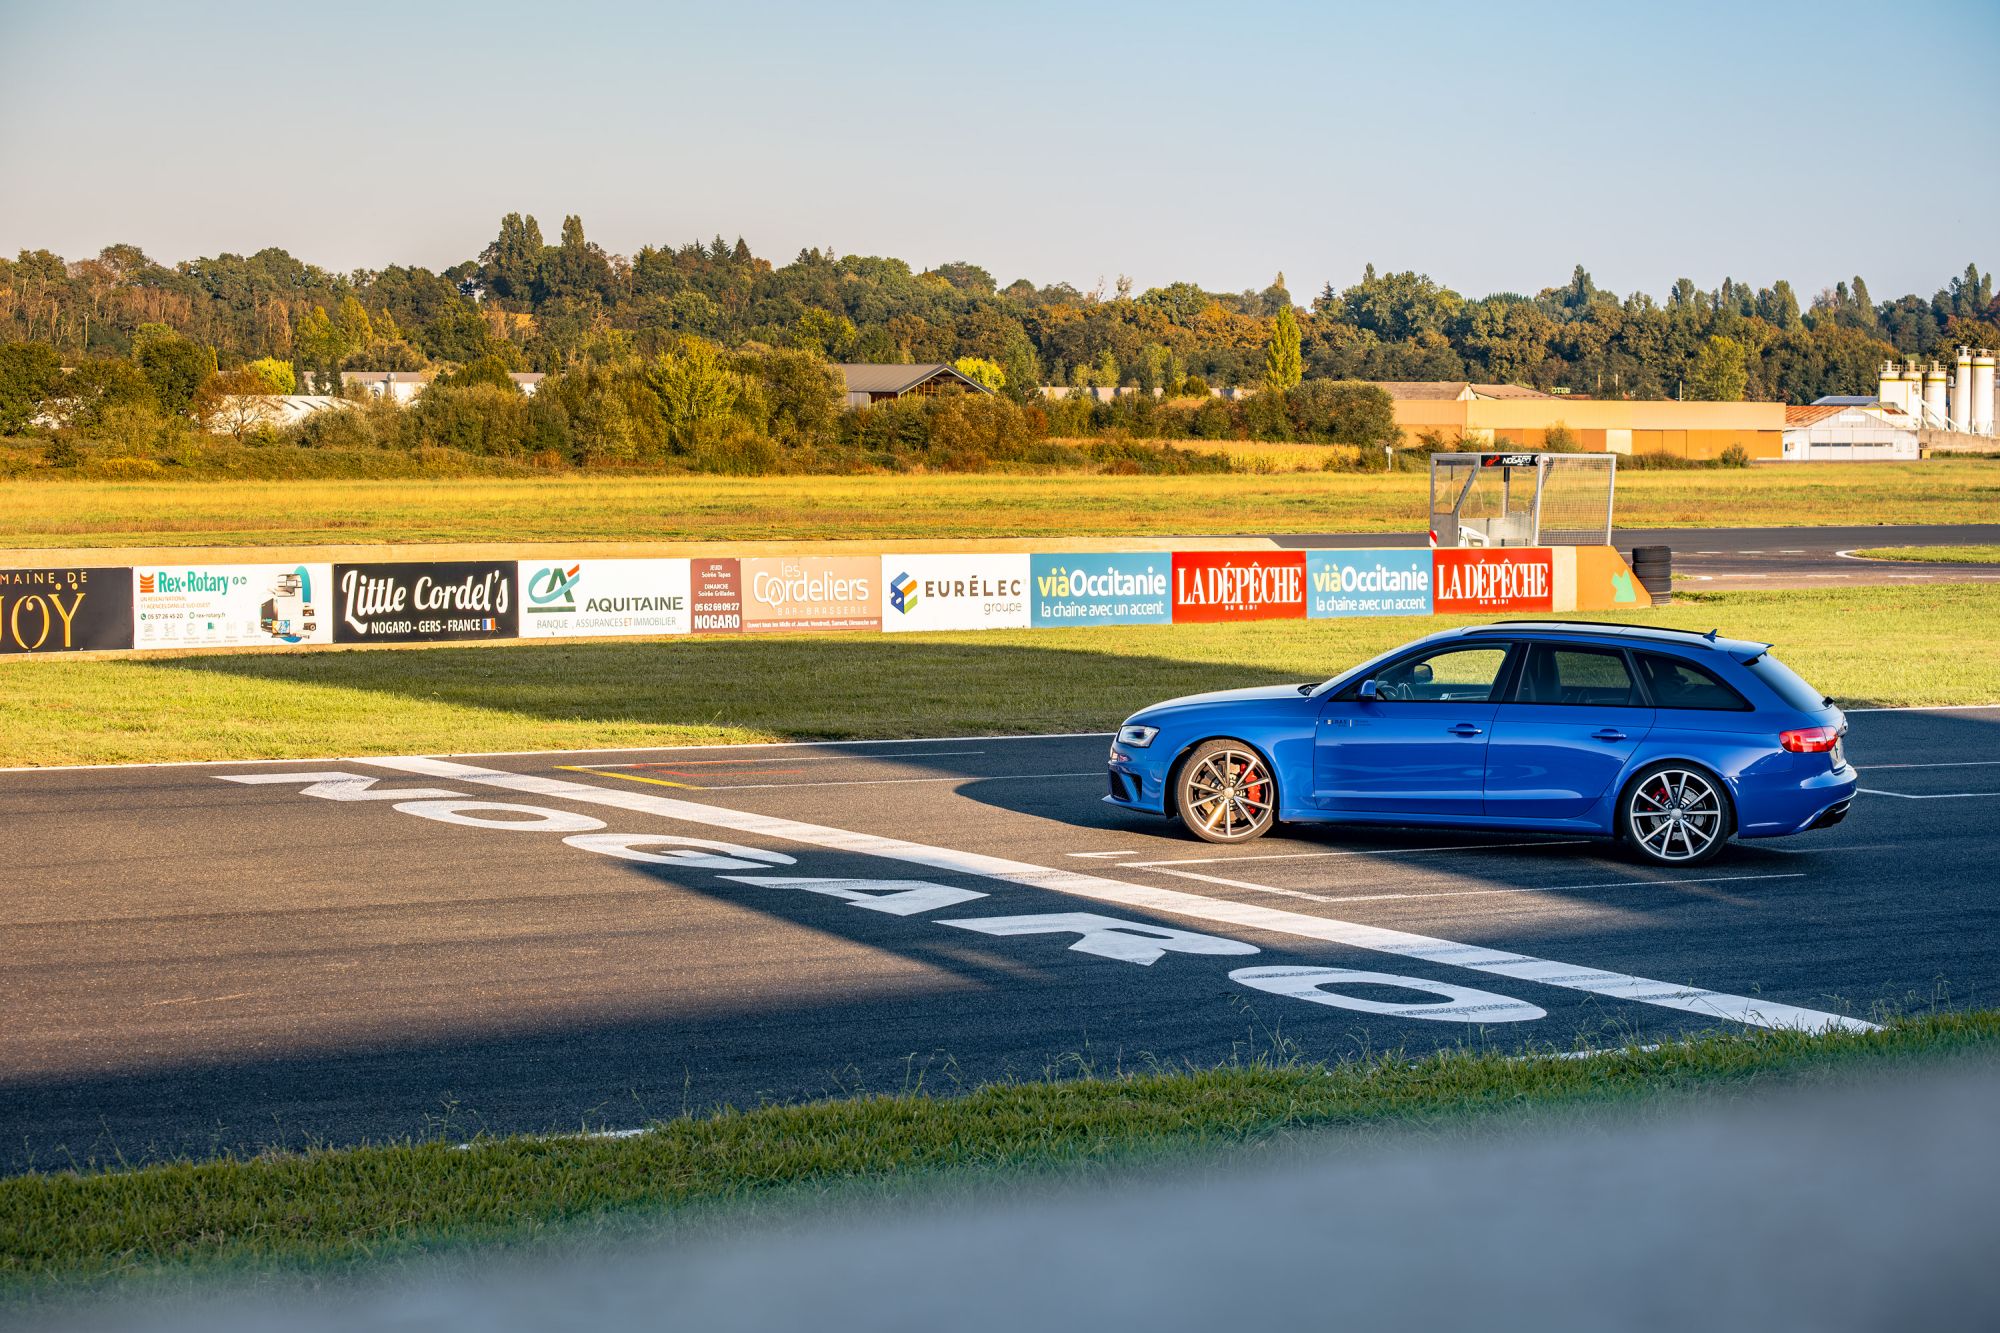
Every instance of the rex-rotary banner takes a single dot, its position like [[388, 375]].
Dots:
[[1239, 585], [954, 592], [1368, 583], [588, 598], [1135, 589], [1492, 580], [811, 592], [232, 606], [65, 610], [427, 602]]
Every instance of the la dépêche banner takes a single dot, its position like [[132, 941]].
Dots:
[[194, 606]]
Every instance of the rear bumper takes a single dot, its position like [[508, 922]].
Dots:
[[1775, 806]]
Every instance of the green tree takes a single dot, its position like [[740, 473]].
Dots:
[[316, 345], [28, 375], [1720, 372], [277, 376], [696, 388], [1284, 367], [981, 371], [175, 367]]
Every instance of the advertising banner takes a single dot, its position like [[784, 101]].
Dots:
[[587, 598], [1239, 585], [954, 592], [424, 602], [1093, 589], [65, 610], [715, 591], [1368, 583], [1492, 580], [1604, 582], [232, 606], [811, 592]]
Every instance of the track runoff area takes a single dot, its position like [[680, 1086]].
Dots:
[[228, 957]]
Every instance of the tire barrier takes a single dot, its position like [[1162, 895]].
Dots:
[[155, 607]]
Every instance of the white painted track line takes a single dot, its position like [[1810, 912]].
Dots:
[[1362, 851], [1247, 916], [1468, 893], [1934, 796]]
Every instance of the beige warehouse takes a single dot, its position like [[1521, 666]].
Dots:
[[1510, 415]]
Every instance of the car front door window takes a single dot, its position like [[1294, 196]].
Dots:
[[1456, 675]]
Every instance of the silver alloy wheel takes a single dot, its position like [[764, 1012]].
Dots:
[[1676, 814], [1228, 793]]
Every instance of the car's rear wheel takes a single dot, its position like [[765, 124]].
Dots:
[[1676, 815], [1225, 792]]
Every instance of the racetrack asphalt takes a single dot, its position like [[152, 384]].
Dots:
[[1727, 559], [194, 963]]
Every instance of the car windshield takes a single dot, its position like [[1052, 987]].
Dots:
[[1787, 684]]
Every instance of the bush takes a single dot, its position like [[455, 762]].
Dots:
[[62, 452], [1560, 439], [1734, 456]]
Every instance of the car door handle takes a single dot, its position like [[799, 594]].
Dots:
[[1607, 734], [1467, 729]]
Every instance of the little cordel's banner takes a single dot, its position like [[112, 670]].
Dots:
[[407, 603]]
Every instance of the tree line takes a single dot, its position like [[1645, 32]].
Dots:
[[534, 305]]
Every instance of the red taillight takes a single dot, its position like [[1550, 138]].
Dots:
[[1809, 740]]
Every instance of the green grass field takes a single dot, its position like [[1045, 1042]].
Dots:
[[334, 1210], [1935, 555], [1935, 644], [57, 514]]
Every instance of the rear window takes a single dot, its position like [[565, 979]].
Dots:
[[1675, 683], [1787, 684]]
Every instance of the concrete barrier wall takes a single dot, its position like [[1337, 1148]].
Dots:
[[161, 606]]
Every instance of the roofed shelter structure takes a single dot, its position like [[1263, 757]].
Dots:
[[870, 383]]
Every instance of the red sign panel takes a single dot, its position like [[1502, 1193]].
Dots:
[[1239, 585], [1501, 580]]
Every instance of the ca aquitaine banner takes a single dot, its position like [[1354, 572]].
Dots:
[[1493, 580], [65, 610], [1239, 585], [428, 602]]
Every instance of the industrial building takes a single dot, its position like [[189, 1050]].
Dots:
[[870, 383], [1851, 430], [1960, 402], [1505, 415]]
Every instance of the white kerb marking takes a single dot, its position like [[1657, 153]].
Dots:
[[1248, 916], [1460, 1003]]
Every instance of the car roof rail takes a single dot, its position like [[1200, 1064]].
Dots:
[[1598, 627]]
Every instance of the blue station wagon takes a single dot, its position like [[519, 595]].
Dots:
[[1670, 741]]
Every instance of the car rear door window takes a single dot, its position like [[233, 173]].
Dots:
[[1676, 683], [1576, 678]]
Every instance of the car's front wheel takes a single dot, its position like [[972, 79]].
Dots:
[[1676, 815], [1225, 792]]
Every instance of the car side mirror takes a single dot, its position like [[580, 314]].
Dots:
[[1370, 691]]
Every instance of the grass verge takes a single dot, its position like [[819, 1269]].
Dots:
[[85, 513], [1935, 555], [1935, 644], [336, 1208]]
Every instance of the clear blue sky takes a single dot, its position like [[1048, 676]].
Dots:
[[1490, 146]]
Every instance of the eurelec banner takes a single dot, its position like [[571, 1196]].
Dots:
[[1092, 589], [232, 606], [954, 592], [1368, 583]]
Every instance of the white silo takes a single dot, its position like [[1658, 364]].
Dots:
[[1961, 391], [1891, 382], [1982, 392], [1934, 396], [1913, 389]]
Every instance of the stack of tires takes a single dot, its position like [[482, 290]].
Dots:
[[1655, 567]]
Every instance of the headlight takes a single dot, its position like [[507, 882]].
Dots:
[[1137, 737]]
